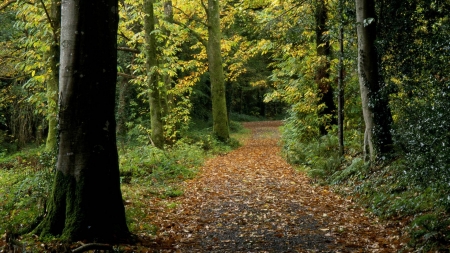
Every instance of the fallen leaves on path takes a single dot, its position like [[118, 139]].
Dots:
[[251, 200]]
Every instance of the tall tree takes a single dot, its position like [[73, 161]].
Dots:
[[218, 94], [377, 116], [166, 99], [322, 73], [54, 17], [341, 79], [152, 65], [86, 202]]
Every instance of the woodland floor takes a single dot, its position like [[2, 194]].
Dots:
[[251, 200]]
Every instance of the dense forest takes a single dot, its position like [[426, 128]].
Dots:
[[361, 87]]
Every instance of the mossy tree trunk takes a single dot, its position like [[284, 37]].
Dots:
[[322, 73], [377, 115], [218, 94], [86, 202], [52, 84], [152, 65]]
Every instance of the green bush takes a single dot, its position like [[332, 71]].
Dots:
[[321, 156], [358, 167], [430, 232]]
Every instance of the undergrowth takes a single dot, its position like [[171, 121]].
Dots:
[[148, 171], [25, 180], [388, 190], [26, 177]]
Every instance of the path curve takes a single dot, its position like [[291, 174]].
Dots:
[[251, 200]]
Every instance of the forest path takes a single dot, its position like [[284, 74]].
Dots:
[[251, 200]]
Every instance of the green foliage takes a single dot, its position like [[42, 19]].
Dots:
[[388, 193], [413, 36], [357, 168], [430, 232], [319, 157], [25, 183], [158, 166]]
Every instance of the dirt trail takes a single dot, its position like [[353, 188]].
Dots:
[[251, 200]]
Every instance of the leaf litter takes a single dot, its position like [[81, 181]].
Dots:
[[251, 200]]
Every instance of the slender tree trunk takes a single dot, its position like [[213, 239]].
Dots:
[[218, 93], [122, 114], [341, 83], [322, 73], [86, 202], [377, 116], [152, 64], [166, 99], [52, 84]]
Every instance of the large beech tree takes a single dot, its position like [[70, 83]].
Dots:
[[86, 202]]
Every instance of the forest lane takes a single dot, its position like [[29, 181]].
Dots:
[[251, 200]]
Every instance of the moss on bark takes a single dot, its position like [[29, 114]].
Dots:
[[77, 213]]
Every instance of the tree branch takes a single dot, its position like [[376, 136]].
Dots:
[[6, 4], [50, 21], [123, 35], [127, 49], [194, 17], [11, 77], [194, 33], [91, 246], [126, 75]]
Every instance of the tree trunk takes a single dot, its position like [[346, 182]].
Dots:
[[152, 64], [52, 84], [218, 94], [377, 116], [86, 202], [322, 72], [122, 112], [341, 83], [166, 99]]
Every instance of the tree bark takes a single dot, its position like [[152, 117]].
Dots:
[[86, 202], [218, 94], [52, 84], [322, 72], [122, 111], [152, 64], [377, 116], [166, 99]]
